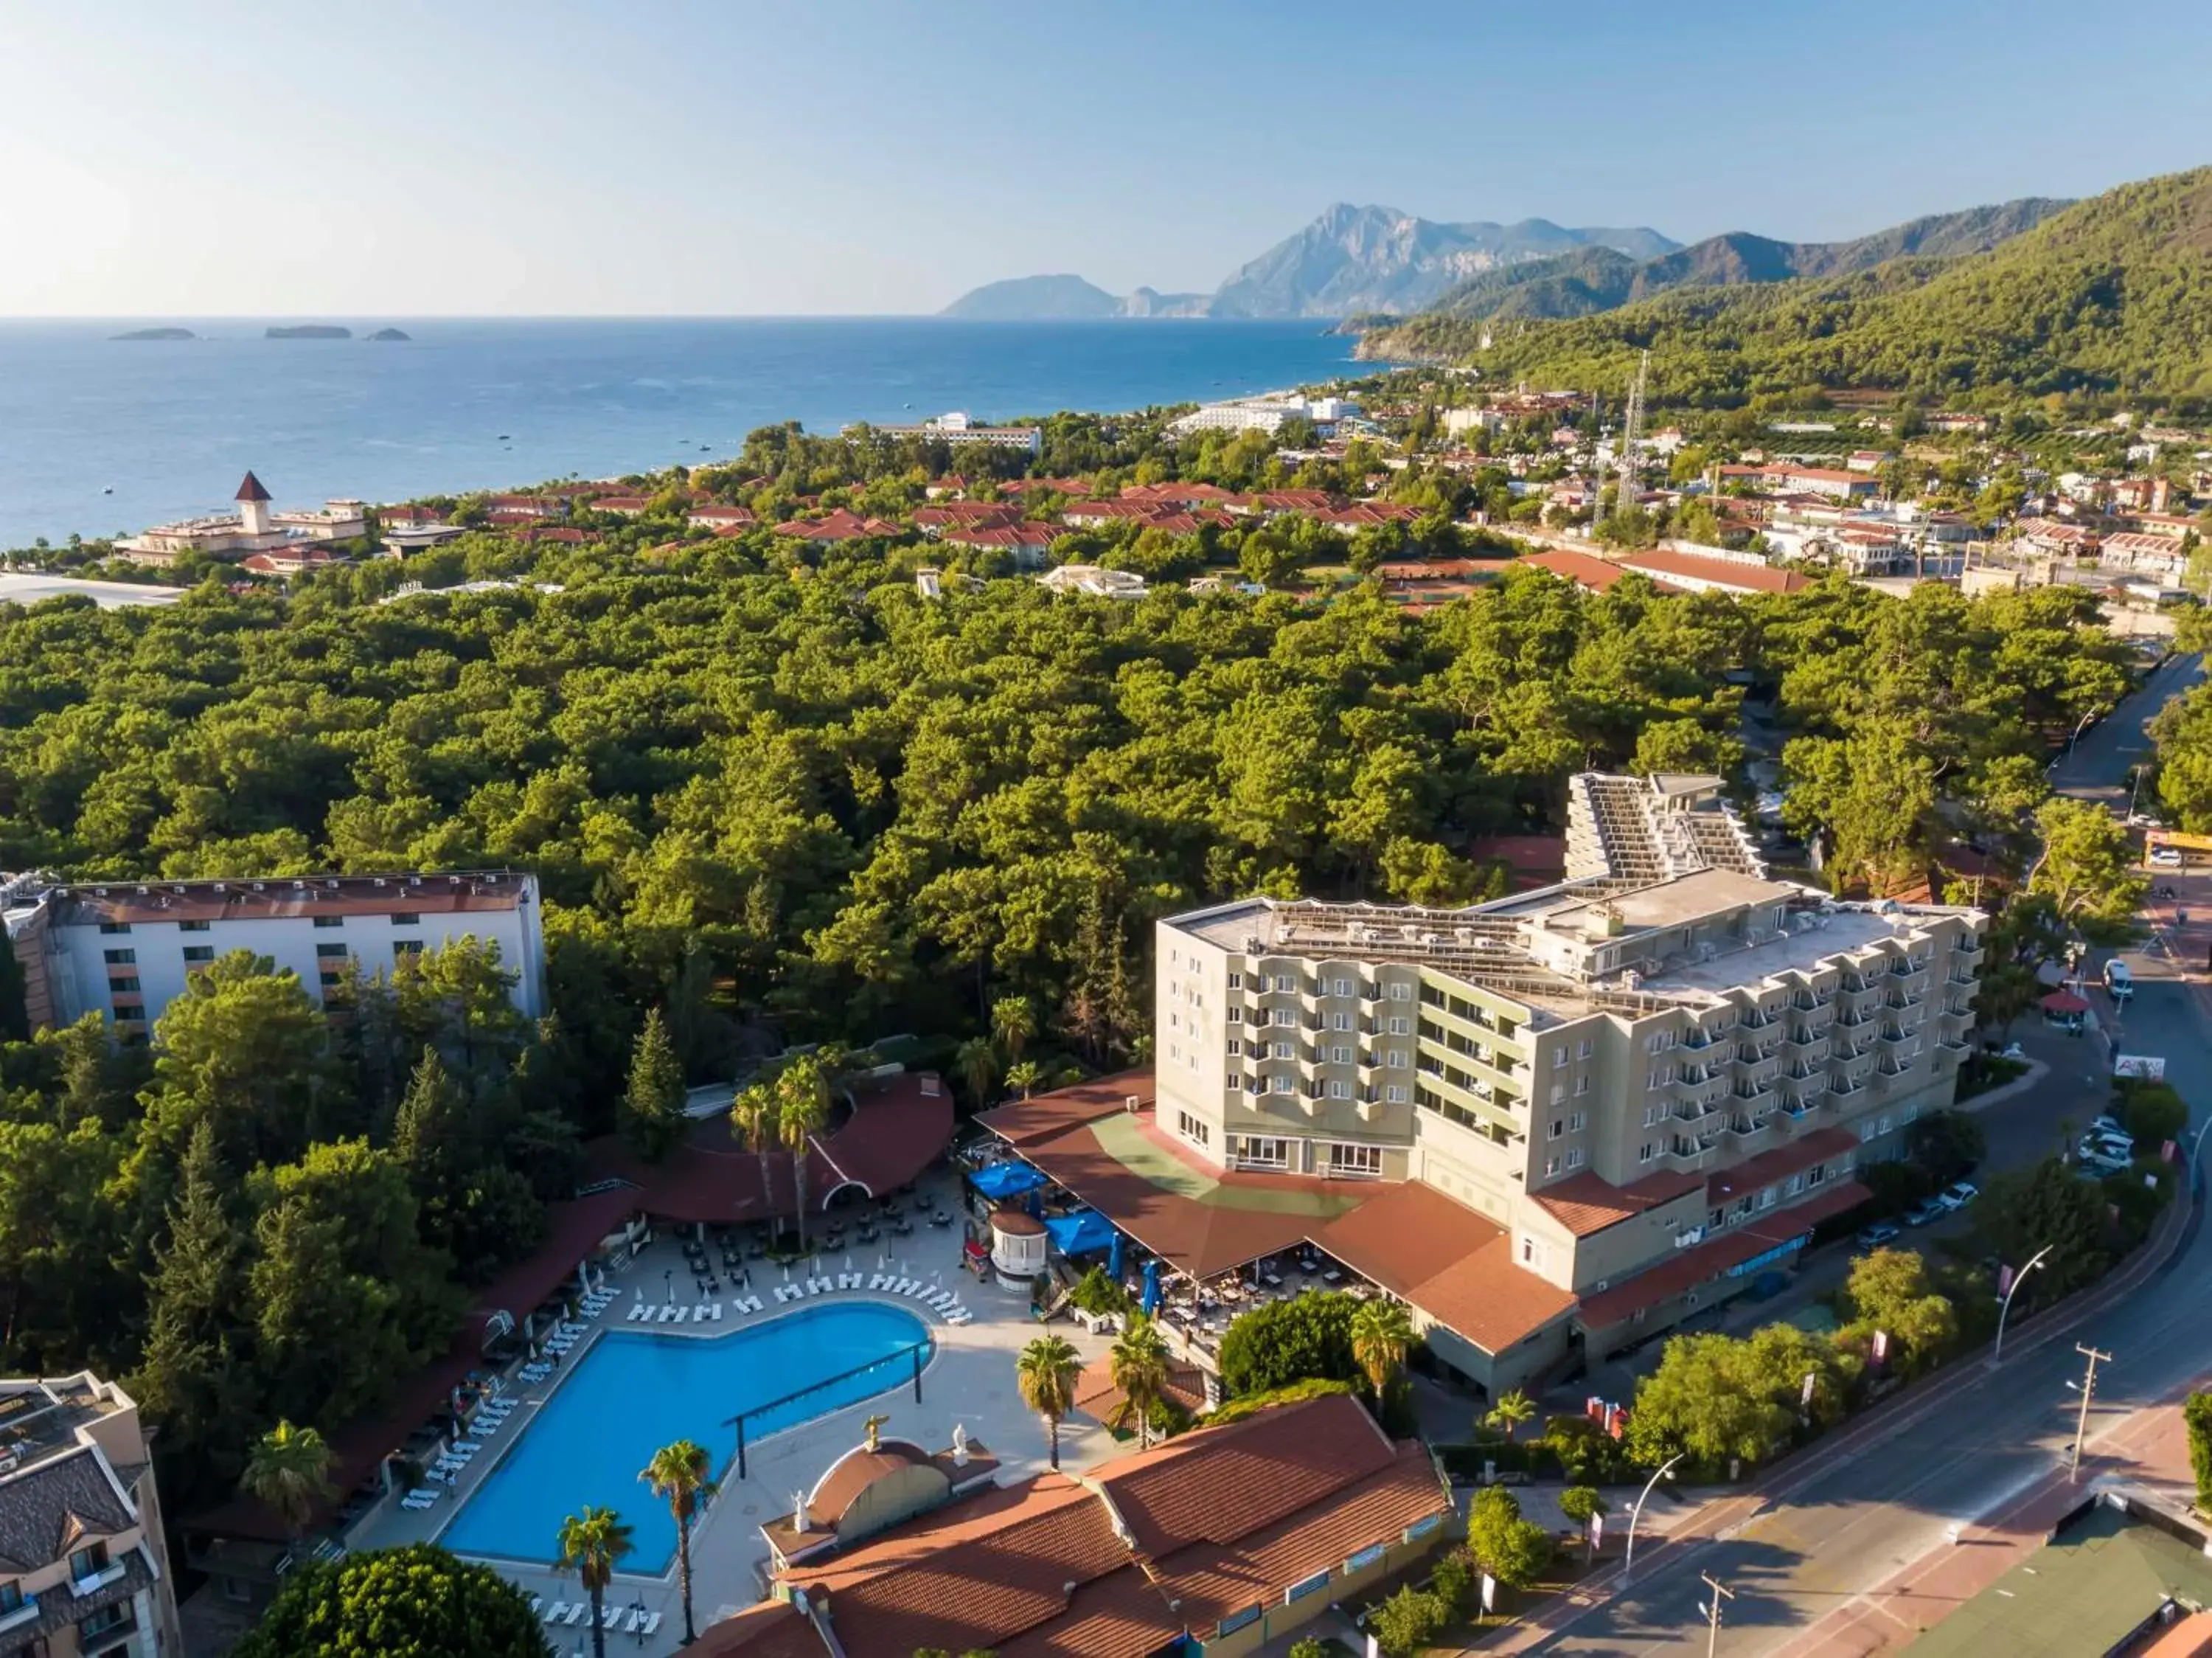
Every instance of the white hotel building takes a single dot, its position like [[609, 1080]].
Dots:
[[125, 949], [1654, 1078]]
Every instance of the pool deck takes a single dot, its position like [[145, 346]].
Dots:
[[970, 1381]]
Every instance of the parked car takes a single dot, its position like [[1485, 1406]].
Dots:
[[1922, 1213], [2109, 1125], [2167, 858], [1875, 1236], [2118, 981], [1956, 1196]]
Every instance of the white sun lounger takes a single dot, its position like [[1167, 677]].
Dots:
[[635, 1622], [718, 1312], [556, 1611], [652, 1624], [536, 1604], [611, 1617], [958, 1315], [576, 1613], [877, 1281]]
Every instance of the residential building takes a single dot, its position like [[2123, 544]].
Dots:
[[1715, 571], [957, 428], [125, 949], [722, 519], [83, 1566], [1265, 414], [1625, 1093], [1782, 477], [1209, 1546], [836, 525], [1094, 580], [254, 527]]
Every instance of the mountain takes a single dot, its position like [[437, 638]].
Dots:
[[1599, 278], [2112, 294], [1151, 302], [1356, 259], [1026, 298]]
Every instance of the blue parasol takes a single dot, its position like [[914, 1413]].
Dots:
[[1152, 1296], [1114, 1259]]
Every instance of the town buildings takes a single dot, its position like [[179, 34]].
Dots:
[[255, 527], [1265, 414], [125, 949], [83, 1565], [1214, 1543], [1619, 1096]]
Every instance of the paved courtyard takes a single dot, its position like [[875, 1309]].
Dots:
[[969, 1381]]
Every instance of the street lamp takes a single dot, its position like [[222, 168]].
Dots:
[[1628, 1554], [1997, 1354]]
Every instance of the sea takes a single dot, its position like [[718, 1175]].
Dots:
[[99, 436]]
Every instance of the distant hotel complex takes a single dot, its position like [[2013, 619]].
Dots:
[[269, 543], [125, 949]]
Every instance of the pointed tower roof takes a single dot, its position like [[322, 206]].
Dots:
[[251, 490]]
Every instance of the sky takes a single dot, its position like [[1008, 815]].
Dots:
[[396, 158]]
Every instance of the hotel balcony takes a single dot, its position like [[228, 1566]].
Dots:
[[1756, 1073], [1755, 1018], [1695, 1038], [1801, 1046], [1812, 1000]]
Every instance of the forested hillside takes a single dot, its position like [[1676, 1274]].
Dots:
[[2115, 293]]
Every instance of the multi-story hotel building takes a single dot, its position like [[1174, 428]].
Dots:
[[126, 950], [82, 1566], [1654, 1078]]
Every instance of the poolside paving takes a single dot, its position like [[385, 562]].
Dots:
[[969, 1381]]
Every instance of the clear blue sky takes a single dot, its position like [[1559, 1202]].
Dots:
[[479, 156]]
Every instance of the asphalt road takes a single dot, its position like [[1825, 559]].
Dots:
[[1848, 1522], [2096, 766]]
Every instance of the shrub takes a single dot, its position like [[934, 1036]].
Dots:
[[1512, 1549], [1284, 1341], [1453, 1583], [1407, 1621], [1245, 1405], [1096, 1293], [2196, 1416], [415, 1602], [2151, 1113]]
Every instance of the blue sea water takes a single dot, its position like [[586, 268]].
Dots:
[[169, 426], [633, 1392]]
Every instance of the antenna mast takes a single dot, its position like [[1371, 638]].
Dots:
[[1632, 433]]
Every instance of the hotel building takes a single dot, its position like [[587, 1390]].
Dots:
[[1651, 1080], [125, 949], [83, 1569]]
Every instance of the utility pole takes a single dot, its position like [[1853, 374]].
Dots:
[[2081, 1423], [1713, 1612]]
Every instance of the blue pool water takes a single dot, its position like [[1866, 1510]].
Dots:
[[633, 1392]]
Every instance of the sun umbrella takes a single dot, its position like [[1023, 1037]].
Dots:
[[1151, 1298]]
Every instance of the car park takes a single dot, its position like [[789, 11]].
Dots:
[[1880, 1233], [1956, 1196]]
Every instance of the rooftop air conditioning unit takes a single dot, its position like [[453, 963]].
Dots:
[[414, 880], [258, 887], [1253, 944], [100, 892], [1132, 1103], [221, 886], [298, 885], [142, 889], [381, 882]]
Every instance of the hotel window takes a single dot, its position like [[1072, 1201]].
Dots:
[[1286, 1016], [1647, 1151], [1577, 1121], [197, 953], [124, 986], [1175, 991], [1559, 1093], [1551, 1166], [1285, 982], [105, 1621], [1282, 1085], [1340, 1090], [1401, 1028], [1339, 987], [1910, 1114], [1194, 1058], [1401, 992], [1532, 1253], [89, 1562], [403, 948], [119, 958], [1866, 1133], [1355, 1160], [193, 926], [1283, 1051], [11, 1599], [1766, 1197], [1558, 1057], [331, 952], [407, 919], [1558, 1127], [1236, 981], [114, 926], [1581, 1085], [1236, 1016], [1654, 1114], [1236, 1048], [1175, 1021], [1575, 1156], [1584, 1048], [1883, 1127], [1340, 1021], [1175, 1051], [320, 920], [1264, 1149], [1192, 1130], [1339, 1056], [1395, 1059], [1395, 1093], [1815, 1174], [1796, 1185], [1236, 1083]]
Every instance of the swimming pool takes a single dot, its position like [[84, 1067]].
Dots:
[[634, 1391]]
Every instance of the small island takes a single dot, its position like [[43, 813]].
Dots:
[[156, 333], [389, 334], [308, 331]]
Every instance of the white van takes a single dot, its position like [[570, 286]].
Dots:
[[2118, 981]]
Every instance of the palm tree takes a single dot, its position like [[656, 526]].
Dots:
[[1046, 1374], [289, 1470], [1138, 1363], [1511, 1410], [1381, 1333], [803, 1094], [978, 1066], [753, 1113], [1024, 1076], [684, 1473], [1013, 1021], [592, 1544]]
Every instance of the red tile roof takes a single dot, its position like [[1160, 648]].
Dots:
[[249, 489], [1702, 1262], [836, 525], [1584, 570], [1767, 1167], [1585, 1204], [1001, 535], [1719, 572]]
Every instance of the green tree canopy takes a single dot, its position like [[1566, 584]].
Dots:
[[414, 1602]]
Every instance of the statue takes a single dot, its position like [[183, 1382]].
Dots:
[[799, 1511], [959, 1444], [875, 1427]]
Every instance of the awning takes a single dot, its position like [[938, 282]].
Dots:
[[1080, 1234], [1007, 1180], [2064, 1001]]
